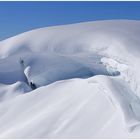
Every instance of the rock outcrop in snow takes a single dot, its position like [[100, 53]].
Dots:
[[87, 80]]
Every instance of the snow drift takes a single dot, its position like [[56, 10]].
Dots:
[[72, 81]]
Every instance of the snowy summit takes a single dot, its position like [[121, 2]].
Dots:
[[72, 81]]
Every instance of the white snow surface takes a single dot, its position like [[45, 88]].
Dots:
[[86, 79]]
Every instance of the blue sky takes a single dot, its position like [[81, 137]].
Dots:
[[18, 17]]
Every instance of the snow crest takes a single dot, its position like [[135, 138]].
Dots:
[[71, 81]]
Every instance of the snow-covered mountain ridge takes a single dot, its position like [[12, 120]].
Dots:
[[71, 81]]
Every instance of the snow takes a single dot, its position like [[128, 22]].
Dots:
[[71, 81]]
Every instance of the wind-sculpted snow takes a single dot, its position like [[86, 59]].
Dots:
[[71, 81]]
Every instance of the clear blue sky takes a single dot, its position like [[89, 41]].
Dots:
[[18, 17]]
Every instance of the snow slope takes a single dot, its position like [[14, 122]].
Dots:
[[72, 81]]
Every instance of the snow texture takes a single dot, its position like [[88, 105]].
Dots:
[[72, 81]]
